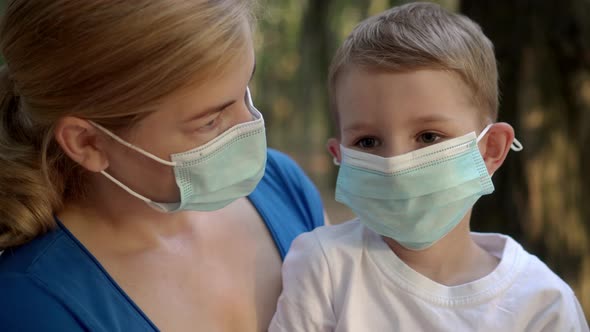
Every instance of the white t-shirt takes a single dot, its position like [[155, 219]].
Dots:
[[346, 278]]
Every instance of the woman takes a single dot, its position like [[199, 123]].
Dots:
[[136, 190]]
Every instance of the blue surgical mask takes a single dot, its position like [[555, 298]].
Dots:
[[213, 175], [419, 197]]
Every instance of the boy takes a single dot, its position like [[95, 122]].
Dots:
[[414, 91]]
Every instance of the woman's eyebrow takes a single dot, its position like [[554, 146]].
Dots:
[[210, 110]]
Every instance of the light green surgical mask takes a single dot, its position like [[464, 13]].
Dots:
[[213, 175], [419, 197]]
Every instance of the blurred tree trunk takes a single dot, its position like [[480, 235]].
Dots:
[[316, 44], [509, 204], [542, 194], [315, 52]]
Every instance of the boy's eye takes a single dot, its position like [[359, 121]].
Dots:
[[368, 142], [428, 138]]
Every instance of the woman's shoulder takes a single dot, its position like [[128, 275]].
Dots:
[[281, 167], [28, 302], [58, 282], [50, 258], [287, 182], [23, 259], [287, 200], [27, 305]]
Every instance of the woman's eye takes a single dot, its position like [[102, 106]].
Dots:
[[211, 124], [368, 142], [428, 138]]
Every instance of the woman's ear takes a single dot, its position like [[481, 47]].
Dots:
[[80, 141], [496, 144], [333, 146]]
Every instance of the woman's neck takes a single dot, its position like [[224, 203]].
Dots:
[[109, 214]]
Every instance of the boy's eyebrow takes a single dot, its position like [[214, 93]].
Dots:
[[358, 126], [432, 118], [429, 118]]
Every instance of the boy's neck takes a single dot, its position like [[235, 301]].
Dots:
[[454, 260]]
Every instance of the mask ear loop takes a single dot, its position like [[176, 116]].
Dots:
[[133, 147], [484, 132], [127, 189], [515, 146], [335, 161], [154, 205], [151, 203]]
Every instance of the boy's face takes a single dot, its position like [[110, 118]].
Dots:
[[389, 114]]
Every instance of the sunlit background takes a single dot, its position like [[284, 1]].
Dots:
[[542, 196]]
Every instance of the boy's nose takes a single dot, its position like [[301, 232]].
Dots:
[[396, 148]]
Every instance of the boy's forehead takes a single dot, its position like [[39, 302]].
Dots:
[[423, 35], [428, 96]]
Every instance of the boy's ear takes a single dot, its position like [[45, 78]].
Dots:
[[496, 145], [334, 149]]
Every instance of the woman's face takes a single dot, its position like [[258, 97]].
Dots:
[[183, 121]]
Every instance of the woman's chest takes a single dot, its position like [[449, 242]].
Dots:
[[208, 300], [227, 280]]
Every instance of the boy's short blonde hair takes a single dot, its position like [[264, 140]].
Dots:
[[419, 36]]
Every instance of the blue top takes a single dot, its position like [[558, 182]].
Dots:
[[54, 284]]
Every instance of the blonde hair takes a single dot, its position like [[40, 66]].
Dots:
[[105, 61], [420, 36]]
